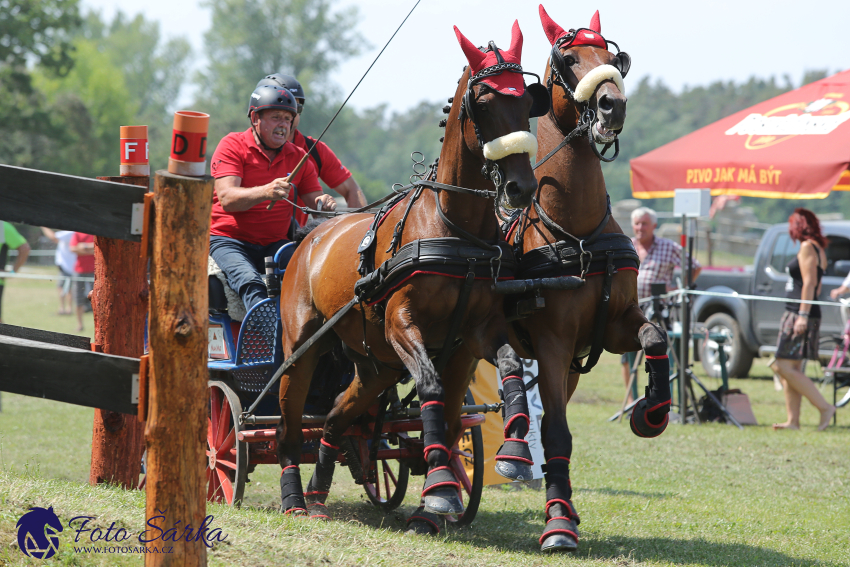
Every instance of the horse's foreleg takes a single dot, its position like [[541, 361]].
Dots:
[[650, 415], [294, 387], [356, 399], [556, 386], [440, 490], [513, 460]]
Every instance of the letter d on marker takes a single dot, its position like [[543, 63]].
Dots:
[[188, 143]]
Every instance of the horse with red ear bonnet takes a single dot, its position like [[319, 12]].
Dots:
[[585, 79], [420, 273]]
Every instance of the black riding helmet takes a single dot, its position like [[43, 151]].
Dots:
[[272, 97], [286, 81]]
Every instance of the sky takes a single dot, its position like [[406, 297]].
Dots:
[[681, 43]]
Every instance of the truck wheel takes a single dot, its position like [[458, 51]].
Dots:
[[739, 359]]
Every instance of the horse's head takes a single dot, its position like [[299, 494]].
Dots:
[[494, 116], [590, 74]]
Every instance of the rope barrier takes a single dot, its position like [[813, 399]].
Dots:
[[13, 275], [679, 292]]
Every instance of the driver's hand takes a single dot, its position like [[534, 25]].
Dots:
[[278, 189], [327, 203], [836, 293]]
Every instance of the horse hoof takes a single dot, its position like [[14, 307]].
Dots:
[[421, 527], [514, 470], [318, 511], [443, 502], [559, 542]]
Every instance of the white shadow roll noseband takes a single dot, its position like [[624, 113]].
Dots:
[[513, 143], [587, 86]]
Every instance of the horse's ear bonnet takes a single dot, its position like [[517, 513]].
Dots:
[[507, 82], [591, 35]]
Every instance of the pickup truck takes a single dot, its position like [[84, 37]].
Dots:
[[753, 325]]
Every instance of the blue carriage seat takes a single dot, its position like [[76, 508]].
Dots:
[[249, 352]]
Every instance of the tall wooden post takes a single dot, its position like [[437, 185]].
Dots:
[[176, 425], [120, 304]]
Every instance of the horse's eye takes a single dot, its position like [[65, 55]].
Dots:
[[482, 105], [569, 60]]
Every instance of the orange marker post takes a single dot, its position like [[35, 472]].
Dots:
[[189, 143], [134, 151]]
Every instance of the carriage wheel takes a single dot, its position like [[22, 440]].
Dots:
[[390, 486], [227, 457], [470, 492]]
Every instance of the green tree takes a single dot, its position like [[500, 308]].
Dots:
[[123, 74], [32, 32], [252, 38]]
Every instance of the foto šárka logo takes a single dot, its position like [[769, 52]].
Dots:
[[39, 529]]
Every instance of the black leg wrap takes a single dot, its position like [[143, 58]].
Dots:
[[515, 410], [323, 474], [562, 520], [291, 493], [439, 495], [651, 415], [425, 523], [513, 459], [434, 434]]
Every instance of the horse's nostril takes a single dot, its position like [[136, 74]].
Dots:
[[605, 103], [511, 189]]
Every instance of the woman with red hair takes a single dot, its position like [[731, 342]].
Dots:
[[800, 324]]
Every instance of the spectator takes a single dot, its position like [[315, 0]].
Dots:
[[11, 239], [658, 257], [83, 246], [65, 260], [800, 324]]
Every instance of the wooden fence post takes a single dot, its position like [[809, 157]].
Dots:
[[119, 302], [176, 425]]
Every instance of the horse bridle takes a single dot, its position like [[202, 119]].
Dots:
[[558, 65], [491, 169]]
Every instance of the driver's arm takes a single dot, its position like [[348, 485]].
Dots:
[[234, 198], [350, 191]]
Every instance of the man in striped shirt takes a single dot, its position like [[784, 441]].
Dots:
[[658, 258]]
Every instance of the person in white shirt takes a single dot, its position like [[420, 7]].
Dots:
[[65, 261]]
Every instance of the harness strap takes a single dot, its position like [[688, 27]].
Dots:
[[553, 226], [600, 321], [455, 228], [456, 189], [578, 131], [302, 349], [457, 317]]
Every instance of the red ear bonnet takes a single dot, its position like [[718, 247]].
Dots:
[[554, 32], [507, 82]]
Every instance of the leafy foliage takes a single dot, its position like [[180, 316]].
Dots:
[[250, 39]]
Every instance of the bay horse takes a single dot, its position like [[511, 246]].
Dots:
[[408, 310], [588, 107]]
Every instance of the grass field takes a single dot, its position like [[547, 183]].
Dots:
[[707, 495]]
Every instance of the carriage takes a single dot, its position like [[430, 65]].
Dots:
[[381, 450]]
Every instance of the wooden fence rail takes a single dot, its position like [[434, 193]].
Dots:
[[92, 206]]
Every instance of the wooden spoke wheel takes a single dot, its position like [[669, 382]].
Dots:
[[390, 486], [227, 457], [470, 488]]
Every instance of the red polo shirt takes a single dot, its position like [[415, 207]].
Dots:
[[85, 263], [332, 173], [239, 155]]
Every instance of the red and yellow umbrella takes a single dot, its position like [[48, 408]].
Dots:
[[794, 146]]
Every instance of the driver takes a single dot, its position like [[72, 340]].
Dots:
[[250, 168], [330, 169]]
